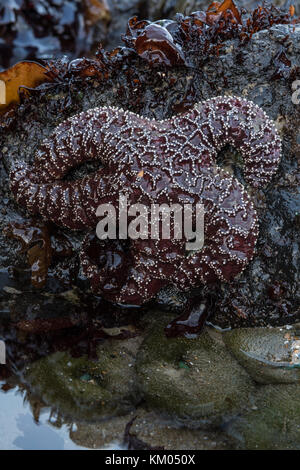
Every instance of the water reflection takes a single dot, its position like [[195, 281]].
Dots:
[[18, 429], [32, 328]]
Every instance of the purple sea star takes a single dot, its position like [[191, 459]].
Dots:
[[170, 161]]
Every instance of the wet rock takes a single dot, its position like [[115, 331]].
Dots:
[[274, 423], [121, 12], [85, 389], [270, 355], [149, 428], [195, 381], [43, 29], [100, 436]]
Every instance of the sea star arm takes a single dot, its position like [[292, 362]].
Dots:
[[126, 278], [41, 187], [69, 204], [241, 123], [230, 233]]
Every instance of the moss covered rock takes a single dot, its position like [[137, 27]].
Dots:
[[88, 389], [197, 381], [274, 424]]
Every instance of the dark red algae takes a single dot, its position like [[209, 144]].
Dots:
[[192, 321], [187, 41], [154, 43], [190, 40], [43, 243]]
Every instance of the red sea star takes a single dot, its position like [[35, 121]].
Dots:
[[177, 160]]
